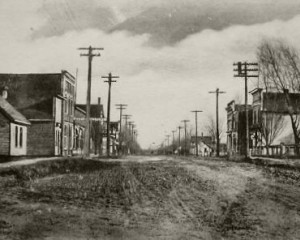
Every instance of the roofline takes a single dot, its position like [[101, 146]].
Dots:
[[5, 114], [232, 101], [59, 73], [255, 90], [65, 72], [80, 109], [22, 122], [40, 120]]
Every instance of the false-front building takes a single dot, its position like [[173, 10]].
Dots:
[[46, 105]]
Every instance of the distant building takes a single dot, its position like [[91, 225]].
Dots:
[[269, 122], [79, 131], [47, 102], [271, 119], [114, 137], [205, 145], [97, 122], [236, 127]]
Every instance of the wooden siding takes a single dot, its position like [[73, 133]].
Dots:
[[41, 137], [4, 135]]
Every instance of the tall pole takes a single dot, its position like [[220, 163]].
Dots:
[[168, 139], [185, 143], [121, 107], [126, 117], [90, 56], [179, 143], [173, 141], [132, 134], [242, 71], [217, 92], [196, 123], [130, 124], [109, 81]]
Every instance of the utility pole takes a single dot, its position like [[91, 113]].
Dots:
[[90, 56], [126, 117], [173, 141], [185, 143], [121, 107], [179, 129], [130, 127], [110, 80], [243, 71], [217, 92], [132, 133], [168, 146], [196, 122]]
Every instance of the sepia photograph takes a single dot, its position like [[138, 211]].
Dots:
[[150, 119]]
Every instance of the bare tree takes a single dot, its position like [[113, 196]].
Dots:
[[210, 127], [271, 126], [279, 68]]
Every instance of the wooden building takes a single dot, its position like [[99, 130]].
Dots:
[[13, 130], [236, 127], [47, 101], [97, 121]]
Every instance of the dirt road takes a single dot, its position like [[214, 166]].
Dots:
[[149, 198]]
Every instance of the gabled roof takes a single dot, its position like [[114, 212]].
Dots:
[[11, 113], [208, 140]]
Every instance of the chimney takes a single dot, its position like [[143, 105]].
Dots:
[[99, 101], [4, 92], [286, 91]]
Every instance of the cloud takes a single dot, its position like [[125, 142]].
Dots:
[[160, 85], [167, 22]]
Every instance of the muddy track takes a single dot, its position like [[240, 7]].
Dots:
[[170, 199]]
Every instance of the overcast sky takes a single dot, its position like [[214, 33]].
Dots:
[[168, 53]]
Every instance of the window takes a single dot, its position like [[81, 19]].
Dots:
[[70, 107], [21, 137], [66, 106], [56, 138], [65, 136], [70, 136], [16, 136]]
